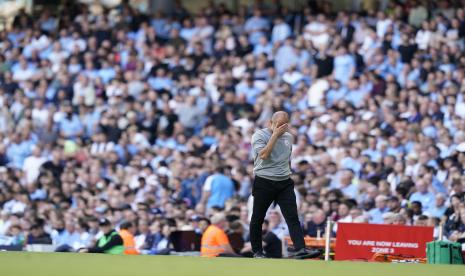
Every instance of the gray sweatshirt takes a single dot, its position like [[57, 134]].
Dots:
[[276, 167]]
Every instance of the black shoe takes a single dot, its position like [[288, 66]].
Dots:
[[306, 254], [259, 255]]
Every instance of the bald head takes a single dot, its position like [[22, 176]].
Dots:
[[280, 118]]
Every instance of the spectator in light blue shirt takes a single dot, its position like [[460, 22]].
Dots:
[[281, 30], [70, 126], [376, 214], [355, 95], [17, 151], [64, 237], [263, 47], [187, 30], [335, 93], [218, 188], [256, 26], [372, 151], [249, 89], [106, 73], [439, 208], [161, 81], [158, 23], [351, 162], [394, 148], [392, 66], [285, 57], [344, 182], [422, 195], [344, 66]]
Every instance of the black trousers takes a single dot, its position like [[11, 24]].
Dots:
[[266, 191]]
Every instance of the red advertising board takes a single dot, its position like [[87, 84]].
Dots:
[[357, 241]]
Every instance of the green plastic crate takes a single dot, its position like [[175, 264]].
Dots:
[[443, 252]]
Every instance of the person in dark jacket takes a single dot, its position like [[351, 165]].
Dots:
[[110, 243], [317, 226], [272, 246], [38, 235]]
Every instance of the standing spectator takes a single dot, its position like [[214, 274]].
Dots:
[[218, 188], [344, 65], [281, 31], [32, 164], [255, 26]]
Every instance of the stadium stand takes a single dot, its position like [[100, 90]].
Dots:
[[132, 117]]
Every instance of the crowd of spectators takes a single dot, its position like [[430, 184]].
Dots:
[[120, 115]]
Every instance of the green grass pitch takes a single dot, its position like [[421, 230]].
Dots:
[[70, 264]]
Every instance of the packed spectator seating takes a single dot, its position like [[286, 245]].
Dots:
[[147, 119]]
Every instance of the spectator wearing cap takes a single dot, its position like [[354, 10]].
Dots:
[[110, 242]]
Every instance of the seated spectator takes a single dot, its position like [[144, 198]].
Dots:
[[376, 214], [110, 242], [64, 236], [277, 225], [272, 245], [455, 227], [317, 226], [13, 237], [127, 231], [214, 240], [422, 194], [439, 208], [235, 235], [159, 241], [421, 221], [37, 235]]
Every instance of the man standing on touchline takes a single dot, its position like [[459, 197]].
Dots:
[[272, 148]]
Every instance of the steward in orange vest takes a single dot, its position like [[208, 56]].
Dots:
[[127, 231], [215, 242]]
